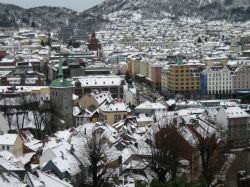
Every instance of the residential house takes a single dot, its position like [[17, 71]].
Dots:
[[51, 180], [12, 143], [150, 109], [82, 116], [129, 93], [235, 122], [241, 78], [114, 111], [4, 128]]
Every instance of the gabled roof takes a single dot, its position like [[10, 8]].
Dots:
[[8, 139], [235, 112], [51, 180]]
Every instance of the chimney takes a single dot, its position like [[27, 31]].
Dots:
[[62, 155]]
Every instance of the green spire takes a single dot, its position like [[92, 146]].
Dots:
[[60, 70], [179, 60], [60, 82]]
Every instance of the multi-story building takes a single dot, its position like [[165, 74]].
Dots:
[[181, 78], [156, 75], [241, 78], [235, 122], [87, 84], [216, 81], [134, 66], [164, 83]]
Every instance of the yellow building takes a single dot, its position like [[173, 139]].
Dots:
[[110, 110], [134, 66], [181, 78], [113, 112], [44, 38]]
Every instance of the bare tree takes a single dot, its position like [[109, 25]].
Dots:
[[93, 152], [166, 153], [212, 157], [239, 162], [42, 113]]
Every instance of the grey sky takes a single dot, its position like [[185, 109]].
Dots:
[[78, 5]]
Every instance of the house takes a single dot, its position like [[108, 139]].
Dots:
[[53, 148], [33, 181], [51, 180], [110, 110], [235, 122], [93, 100], [12, 143], [241, 78], [130, 96], [66, 167], [187, 136], [11, 167], [114, 111], [82, 116], [10, 179], [150, 109], [4, 128]]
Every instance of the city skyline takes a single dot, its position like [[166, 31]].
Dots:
[[78, 5]]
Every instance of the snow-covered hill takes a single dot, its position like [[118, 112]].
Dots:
[[45, 17], [233, 10]]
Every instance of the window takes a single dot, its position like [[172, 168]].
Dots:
[[3, 147], [119, 117], [8, 147]]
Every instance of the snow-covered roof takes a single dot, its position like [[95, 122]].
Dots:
[[50, 180], [10, 180], [114, 106], [8, 139], [236, 112], [99, 80], [149, 105]]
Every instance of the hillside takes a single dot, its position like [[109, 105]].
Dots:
[[45, 18], [231, 10]]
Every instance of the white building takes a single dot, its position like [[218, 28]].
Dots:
[[219, 80], [150, 109], [12, 143], [129, 94]]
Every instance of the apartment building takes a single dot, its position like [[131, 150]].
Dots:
[[216, 81], [241, 78], [182, 78]]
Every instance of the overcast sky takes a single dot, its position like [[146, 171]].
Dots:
[[78, 5]]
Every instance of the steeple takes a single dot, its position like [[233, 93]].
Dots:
[[60, 82], [60, 71], [179, 60]]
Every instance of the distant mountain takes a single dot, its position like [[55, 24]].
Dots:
[[47, 18], [232, 10]]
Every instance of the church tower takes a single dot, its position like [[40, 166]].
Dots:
[[61, 91]]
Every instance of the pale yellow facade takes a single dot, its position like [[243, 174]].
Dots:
[[182, 78], [143, 70], [112, 116], [18, 147]]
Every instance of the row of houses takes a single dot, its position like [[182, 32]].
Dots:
[[191, 76]]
